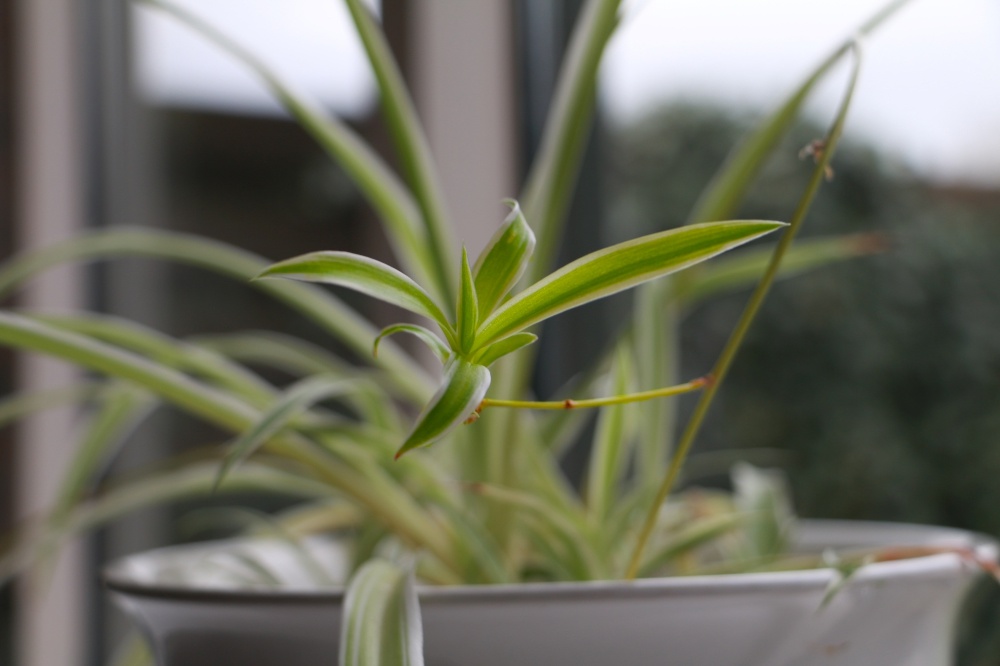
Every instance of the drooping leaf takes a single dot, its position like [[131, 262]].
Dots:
[[295, 400], [564, 531], [315, 303], [381, 621], [503, 260], [278, 351], [465, 385], [123, 408], [217, 406], [467, 316], [156, 346], [432, 341], [616, 268], [21, 405], [153, 489], [493, 352], [373, 488], [363, 274]]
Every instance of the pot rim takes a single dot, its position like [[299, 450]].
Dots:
[[812, 536]]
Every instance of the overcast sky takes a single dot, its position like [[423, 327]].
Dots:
[[929, 92]]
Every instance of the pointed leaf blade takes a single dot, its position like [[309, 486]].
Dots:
[[616, 268], [504, 260], [501, 348], [467, 316], [465, 385], [362, 274], [381, 624], [412, 147], [610, 446], [295, 400], [763, 497]]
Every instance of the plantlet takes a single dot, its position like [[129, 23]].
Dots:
[[486, 328], [487, 503]]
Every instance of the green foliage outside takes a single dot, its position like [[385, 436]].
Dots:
[[887, 403]]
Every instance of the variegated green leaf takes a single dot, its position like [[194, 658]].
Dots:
[[493, 352], [611, 442], [465, 385], [381, 622], [123, 408], [744, 270], [763, 497], [432, 341], [278, 351], [167, 351], [561, 529], [696, 533], [259, 524], [467, 315], [386, 193], [363, 274], [554, 170], [412, 147], [617, 268], [172, 484], [21, 405], [273, 420], [313, 302], [504, 260]]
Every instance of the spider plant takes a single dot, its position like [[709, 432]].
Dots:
[[486, 501]]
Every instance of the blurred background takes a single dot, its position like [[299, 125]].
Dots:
[[875, 384]]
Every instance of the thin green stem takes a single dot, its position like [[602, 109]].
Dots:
[[725, 360], [568, 403]]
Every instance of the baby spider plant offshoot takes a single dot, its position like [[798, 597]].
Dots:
[[488, 321]]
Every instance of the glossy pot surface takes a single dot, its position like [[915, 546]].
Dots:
[[897, 613]]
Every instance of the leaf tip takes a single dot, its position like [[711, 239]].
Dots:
[[515, 209]]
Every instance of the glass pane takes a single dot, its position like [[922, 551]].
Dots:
[[309, 42]]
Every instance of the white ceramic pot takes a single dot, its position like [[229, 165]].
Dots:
[[898, 613]]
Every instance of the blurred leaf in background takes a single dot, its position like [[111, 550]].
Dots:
[[889, 404]]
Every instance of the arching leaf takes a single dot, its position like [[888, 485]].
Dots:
[[616, 268], [364, 274], [492, 353], [381, 624], [432, 341], [465, 385]]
